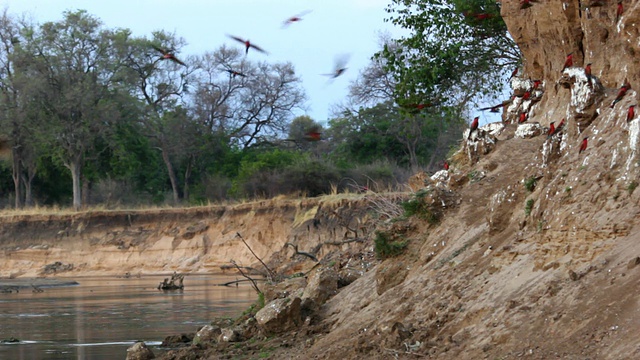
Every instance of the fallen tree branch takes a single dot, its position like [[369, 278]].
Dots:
[[253, 282], [238, 281], [338, 243], [295, 247], [272, 275]]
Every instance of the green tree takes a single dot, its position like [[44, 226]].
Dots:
[[456, 50], [161, 85], [71, 67]]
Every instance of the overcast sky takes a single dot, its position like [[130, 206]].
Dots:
[[333, 27]]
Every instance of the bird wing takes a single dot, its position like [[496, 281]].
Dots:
[[258, 48], [163, 51], [236, 38], [173, 58]]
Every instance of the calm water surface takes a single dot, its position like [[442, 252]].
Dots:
[[103, 316]]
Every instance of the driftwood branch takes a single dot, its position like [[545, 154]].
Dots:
[[338, 243], [295, 247], [253, 282], [269, 271], [236, 282]]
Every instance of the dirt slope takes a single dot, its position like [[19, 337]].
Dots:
[[491, 281]]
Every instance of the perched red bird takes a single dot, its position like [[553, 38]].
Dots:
[[631, 113], [526, 95], [559, 127], [552, 130], [619, 11], [587, 72], [445, 165], [247, 44], [568, 61], [583, 146], [621, 93], [235, 73], [514, 73], [295, 18], [474, 126], [536, 84], [526, 4], [167, 54], [523, 117]]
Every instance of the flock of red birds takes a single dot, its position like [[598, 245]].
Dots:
[[553, 130], [339, 68]]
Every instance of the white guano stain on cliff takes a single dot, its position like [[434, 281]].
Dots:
[[634, 132], [614, 157], [546, 151], [580, 90], [563, 143], [494, 128], [526, 131]]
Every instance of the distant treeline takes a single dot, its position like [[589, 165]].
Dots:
[[94, 115]]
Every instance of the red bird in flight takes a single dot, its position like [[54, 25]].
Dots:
[[474, 126], [583, 146], [631, 113], [340, 66], [568, 61], [235, 73], [167, 54], [619, 10], [621, 93], [478, 16], [247, 44], [313, 135], [295, 18], [496, 108]]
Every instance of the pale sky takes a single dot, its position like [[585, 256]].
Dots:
[[333, 27]]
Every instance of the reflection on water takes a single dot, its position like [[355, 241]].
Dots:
[[102, 317]]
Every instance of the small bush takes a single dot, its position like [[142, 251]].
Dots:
[[386, 246], [528, 207], [632, 186], [530, 183], [419, 207]]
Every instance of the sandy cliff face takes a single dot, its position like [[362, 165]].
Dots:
[[548, 270], [193, 240]]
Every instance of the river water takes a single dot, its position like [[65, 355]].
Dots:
[[102, 316]]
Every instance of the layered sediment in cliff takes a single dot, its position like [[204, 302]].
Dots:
[[202, 239]]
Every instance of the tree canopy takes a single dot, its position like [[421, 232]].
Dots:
[[455, 50]]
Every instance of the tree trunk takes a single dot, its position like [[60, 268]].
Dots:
[[31, 174], [172, 175], [16, 174], [187, 175], [76, 172], [85, 192]]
